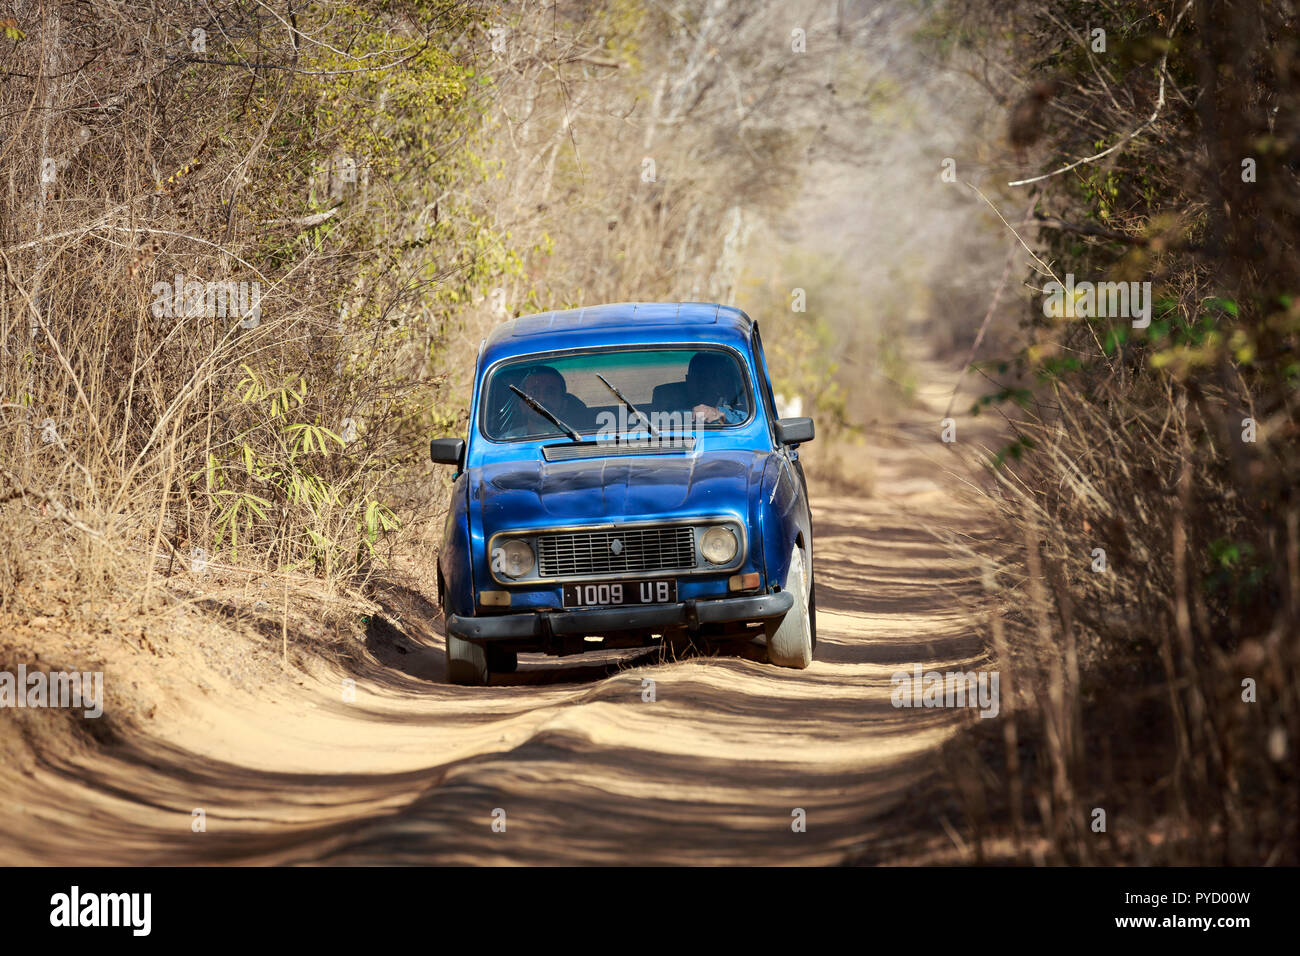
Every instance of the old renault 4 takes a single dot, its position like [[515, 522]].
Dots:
[[625, 480]]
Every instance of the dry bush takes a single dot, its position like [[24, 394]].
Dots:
[[386, 181], [1161, 688], [223, 300]]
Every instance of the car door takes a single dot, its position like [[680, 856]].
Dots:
[[769, 402], [789, 453]]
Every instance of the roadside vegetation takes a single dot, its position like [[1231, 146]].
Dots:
[[1146, 599], [249, 252]]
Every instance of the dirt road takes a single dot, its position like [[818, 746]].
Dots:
[[572, 755]]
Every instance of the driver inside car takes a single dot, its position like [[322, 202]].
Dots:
[[714, 387]]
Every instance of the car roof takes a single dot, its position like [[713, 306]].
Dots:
[[620, 323]]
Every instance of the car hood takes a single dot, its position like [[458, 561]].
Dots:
[[538, 493]]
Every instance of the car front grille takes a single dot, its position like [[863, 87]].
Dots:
[[631, 550]]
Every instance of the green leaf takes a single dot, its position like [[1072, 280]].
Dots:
[[1226, 305], [1115, 338]]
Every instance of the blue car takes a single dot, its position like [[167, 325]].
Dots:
[[625, 482]]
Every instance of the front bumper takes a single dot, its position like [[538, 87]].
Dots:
[[604, 620]]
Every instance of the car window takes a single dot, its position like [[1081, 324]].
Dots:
[[765, 386], [678, 389]]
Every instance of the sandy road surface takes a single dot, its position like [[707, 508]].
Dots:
[[586, 770]]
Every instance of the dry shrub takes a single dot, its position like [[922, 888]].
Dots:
[[390, 180], [1160, 687]]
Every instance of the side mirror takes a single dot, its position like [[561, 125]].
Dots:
[[793, 431], [447, 451]]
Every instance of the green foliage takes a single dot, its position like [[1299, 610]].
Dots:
[[380, 126], [1116, 336], [1055, 366], [1021, 396], [1013, 450], [275, 488], [1237, 571]]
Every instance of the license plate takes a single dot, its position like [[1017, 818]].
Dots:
[[617, 593]]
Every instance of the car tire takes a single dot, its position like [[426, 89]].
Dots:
[[812, 611], [467, 663], [790, 638]]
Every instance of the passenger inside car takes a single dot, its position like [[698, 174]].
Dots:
[[547, 386]]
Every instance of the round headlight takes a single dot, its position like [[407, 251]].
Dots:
[[718, 545], [514, 559]]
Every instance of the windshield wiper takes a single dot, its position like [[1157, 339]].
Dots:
[[632, 408], [542, 410]]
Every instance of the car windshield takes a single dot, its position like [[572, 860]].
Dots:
[[677, 389]]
